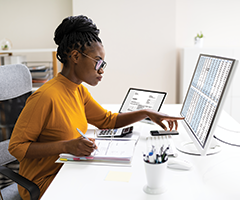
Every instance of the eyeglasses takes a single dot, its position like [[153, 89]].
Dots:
[[99, 63]]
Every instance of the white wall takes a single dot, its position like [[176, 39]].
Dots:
[[30, 24], [217, 19], [141, 37], [139, 40]]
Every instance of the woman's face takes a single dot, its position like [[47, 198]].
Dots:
[[84, 69]]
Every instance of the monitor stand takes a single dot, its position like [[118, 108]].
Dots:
[[188, 147]]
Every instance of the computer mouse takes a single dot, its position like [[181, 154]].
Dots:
[[179, 164]]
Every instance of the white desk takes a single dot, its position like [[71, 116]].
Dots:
[[212, 177]]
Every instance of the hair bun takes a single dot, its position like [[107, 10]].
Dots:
[[75, 32], [76, 24]]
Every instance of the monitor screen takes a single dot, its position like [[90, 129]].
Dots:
[[205, 97]]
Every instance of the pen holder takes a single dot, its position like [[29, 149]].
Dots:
[[155, 177]]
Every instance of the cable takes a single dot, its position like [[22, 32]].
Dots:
[[236, 145]]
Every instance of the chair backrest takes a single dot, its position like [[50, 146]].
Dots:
[[5, 156], [15, 80], [15, 88]]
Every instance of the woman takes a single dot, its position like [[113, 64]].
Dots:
[[47, 125]]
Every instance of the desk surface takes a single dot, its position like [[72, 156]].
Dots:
[[212, 177]]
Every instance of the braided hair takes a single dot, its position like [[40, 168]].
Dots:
[[75, 32]]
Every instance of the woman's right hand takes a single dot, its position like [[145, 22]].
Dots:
[[80, 146]]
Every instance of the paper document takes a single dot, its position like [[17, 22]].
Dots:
[[115, 150]]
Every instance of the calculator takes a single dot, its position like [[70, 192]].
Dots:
[[120, 132]]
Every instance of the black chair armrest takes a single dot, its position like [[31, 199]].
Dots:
[[29, 185]]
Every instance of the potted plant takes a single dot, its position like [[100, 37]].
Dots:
[[198, 40], [5, 44]]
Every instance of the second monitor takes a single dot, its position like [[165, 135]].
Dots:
[[203, 102]]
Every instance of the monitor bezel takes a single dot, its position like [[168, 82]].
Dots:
[[203, 149]]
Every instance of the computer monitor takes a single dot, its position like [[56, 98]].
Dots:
[[203, 103]]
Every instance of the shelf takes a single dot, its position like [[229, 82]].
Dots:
[[54, 53]]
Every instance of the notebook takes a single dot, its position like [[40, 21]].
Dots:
[[138, 99], [116, 151]]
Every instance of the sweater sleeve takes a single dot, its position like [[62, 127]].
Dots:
[[96, 114], [28, 127]]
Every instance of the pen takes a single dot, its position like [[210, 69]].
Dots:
[[145, 158], [160, 159], [85, 136], [152, 155], [151, 158], [156, 160], [164, 155]]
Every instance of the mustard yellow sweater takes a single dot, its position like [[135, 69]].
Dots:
[[53, 113]]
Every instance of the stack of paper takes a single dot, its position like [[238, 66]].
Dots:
[[108, 150], [41, 72], [40, 75]]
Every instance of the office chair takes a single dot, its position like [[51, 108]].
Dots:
[[15, 88]]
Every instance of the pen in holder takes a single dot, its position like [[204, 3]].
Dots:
[[155, 168]]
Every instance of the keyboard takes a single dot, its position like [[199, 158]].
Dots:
[[163, 140]]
